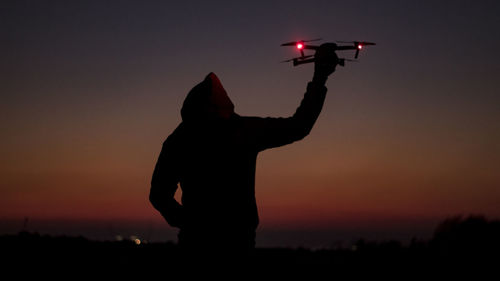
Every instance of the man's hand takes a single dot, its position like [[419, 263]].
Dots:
[[173, 212], [325, 62]]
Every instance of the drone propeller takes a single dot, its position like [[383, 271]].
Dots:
[[312, 40], [341, 61], [356, 42], [301, 58], [299, 41]]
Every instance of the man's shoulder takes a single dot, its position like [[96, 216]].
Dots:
[[176, 135]]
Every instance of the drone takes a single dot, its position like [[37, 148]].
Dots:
[[301, 46]]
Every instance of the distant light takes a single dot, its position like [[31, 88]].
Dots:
[[360, 47], [300, 46], [135, 240]]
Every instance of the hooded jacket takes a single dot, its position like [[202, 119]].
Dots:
[[212, 155]]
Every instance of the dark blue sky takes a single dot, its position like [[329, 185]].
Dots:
[[90, 89]]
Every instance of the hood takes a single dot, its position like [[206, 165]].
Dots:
[[207, 101]]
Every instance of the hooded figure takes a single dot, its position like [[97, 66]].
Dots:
[[212, 155]]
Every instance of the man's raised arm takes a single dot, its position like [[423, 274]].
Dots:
[[274, 132]]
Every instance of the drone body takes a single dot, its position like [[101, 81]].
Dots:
[[301, 46]]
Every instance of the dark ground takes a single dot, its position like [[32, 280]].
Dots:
[[459, 246]]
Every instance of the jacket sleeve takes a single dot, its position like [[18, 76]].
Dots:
[[273, 132], [164, 184]]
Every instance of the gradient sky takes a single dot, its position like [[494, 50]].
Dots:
[[408, 135]]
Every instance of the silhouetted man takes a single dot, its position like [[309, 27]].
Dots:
[[212, 154]]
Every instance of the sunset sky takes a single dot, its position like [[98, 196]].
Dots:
[[408, 136]]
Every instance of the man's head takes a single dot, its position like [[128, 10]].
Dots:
[[207, 101]]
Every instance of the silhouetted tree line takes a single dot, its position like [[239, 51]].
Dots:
[[458, 242]]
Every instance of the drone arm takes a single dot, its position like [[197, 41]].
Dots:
[[341, 48], [311, 47], [299, 62]]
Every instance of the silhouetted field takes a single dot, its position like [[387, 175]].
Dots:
[[470, 244]]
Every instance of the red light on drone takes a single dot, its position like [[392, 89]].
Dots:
[[360, 47], [300, 46]]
